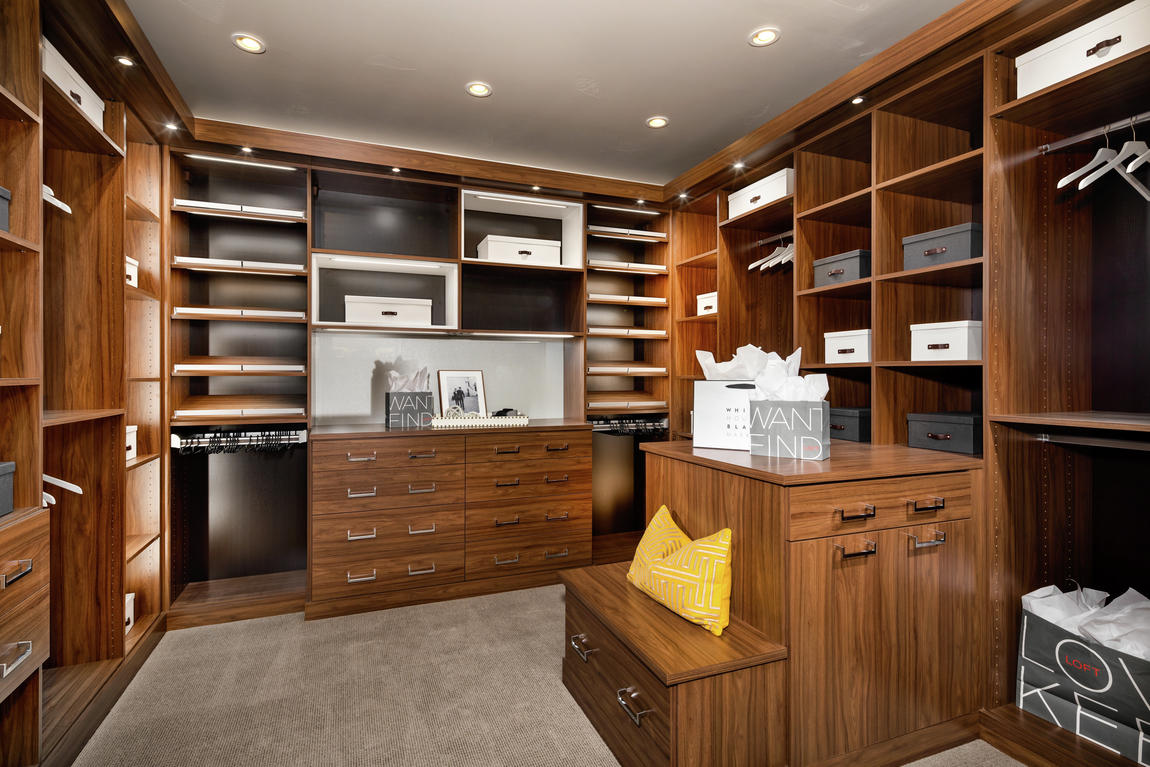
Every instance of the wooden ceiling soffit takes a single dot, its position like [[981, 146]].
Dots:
[[91, 33], [956, 35], [410, 159]]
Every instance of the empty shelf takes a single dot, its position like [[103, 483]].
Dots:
[[231, 366]]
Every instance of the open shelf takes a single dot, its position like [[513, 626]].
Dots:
[[622, 333], [959, 274], [138, 211], [852, 289], [1083, 419], [132, 293], [239, 366], [706, 319], [238, 314], [241, 269], [623, 402], [240, 215], [1105, 94], [834, 166], [255, 596], [141, 460], [10, 243], [636, 301], [765, 218], [134, 544], [12, 108], [239, 408], [485, 264], [708, 260], [958, 179], [622, 236], [60, 417], [851, 210], [625, 368], [930, 364], [67, 127]]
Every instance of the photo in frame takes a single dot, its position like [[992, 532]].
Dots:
[[462, 389]]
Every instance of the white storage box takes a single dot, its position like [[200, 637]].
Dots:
[[378, 310], [68, 80], [960, 340], [521, 250], [129, 612], [1105, 39], [846, 346], [132, 271], [130, 441], [708, 303], [762, 192]]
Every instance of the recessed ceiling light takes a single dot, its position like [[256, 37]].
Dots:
[[248, 43], [125, 61], [657, 122], [534, 189], [761, 38], [395, 170], [857, 100], [683, 196], [739, 166], [478, 89], [172, 126], [246, 149]]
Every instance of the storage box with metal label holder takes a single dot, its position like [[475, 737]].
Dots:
[[961, 340], [521, 250], [7, 469], [132, 271], [951, 432], [843, 267], [847, 346], [762, 192], [707, 303], [380, 310], [5, 200], [129, 612], [1103, 40], [68, 80], [942, 246], [130, 441], [850, 423]]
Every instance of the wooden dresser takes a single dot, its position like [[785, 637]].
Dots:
[[862, 567], [408, 516]]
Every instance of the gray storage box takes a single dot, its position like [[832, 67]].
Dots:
[[955, 243], [7, 468], [5, 198], [952, 432], [844, 267], [850, 423]]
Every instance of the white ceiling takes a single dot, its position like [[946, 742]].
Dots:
[[573, 82]]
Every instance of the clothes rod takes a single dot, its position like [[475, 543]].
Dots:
[[1129, 122], [1119, 444], [776, 238]]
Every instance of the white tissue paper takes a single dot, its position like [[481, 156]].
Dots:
[[774, 377], [1123, 625], [1065, 610], [418, 381]]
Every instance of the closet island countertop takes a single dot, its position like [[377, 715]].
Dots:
[[360, 430], [848, 461]]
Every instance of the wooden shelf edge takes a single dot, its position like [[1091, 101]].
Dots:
[[319, 250], [135, 544], [239, 215], [851, 288], [771, 213], [931, 275], [142, 628], [704, 319], [91, 137], [60, 417], [707, 260], [939, 168], [528, 267], [12, 108], [141, 460], [834, 205], [138, 211], [139, 294], [240, 270], [19, 381], [1082, 419], [10, 243], [930, 364]]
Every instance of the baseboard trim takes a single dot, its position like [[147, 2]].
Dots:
[[912, 746]]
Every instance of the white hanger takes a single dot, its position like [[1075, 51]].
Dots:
[[1103, 155], [1131, 148], [764, 260], [1138, 185], [780, 258], [1139, 162]]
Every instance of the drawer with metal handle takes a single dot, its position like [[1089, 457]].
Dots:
[[816, 511], [607, 676], [24, 558], [497, 520], [383, 533], [530, 446], [334, 492], [389, 453], [23, 640], [528, 552], [528, 479], [336, 577]]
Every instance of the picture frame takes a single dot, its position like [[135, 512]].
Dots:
[[462, 389]]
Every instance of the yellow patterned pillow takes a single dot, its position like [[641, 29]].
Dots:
[[692, 578]]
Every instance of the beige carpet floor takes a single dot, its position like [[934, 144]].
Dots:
[[455, 684]]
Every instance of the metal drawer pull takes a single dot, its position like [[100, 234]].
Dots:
[[367, 494], [421, 572], [548, 555], [938, 346], [390, 314], [360, 460], [7, 579], [420, 455], [838, 427], [635, 716], [431, 489], [847, 351], [6, 669], [361, 536], [525, 252], [833, 272], [582, 652], [1104, 44], [76, 97], [755, 199], [507, 484], [506, 452], [512, 522], [934, 252], [941, 539], [361, 578], [550, 481], [939, 505], [566, 515], [708, 308], [871, 550], [507, 561], [550, 449], [868, 512], [932, 435], [420, 532]]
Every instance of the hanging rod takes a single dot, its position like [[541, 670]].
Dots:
[[1092, 134], [241, 438], [775, 238], [1119, 444]]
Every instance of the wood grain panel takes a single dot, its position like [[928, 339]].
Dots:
[[529, 551], [901, 215], [20, 173], [24, 546], [528, 479], [905, 144], [20, 724], [342, 455], [1038, 743], [386, 489], [27, 622], [485, 448], [590, 692], [21, 438], [339, 537], [822, 178], [335, 579], [495, 520], [235, 599], [20, 59]]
